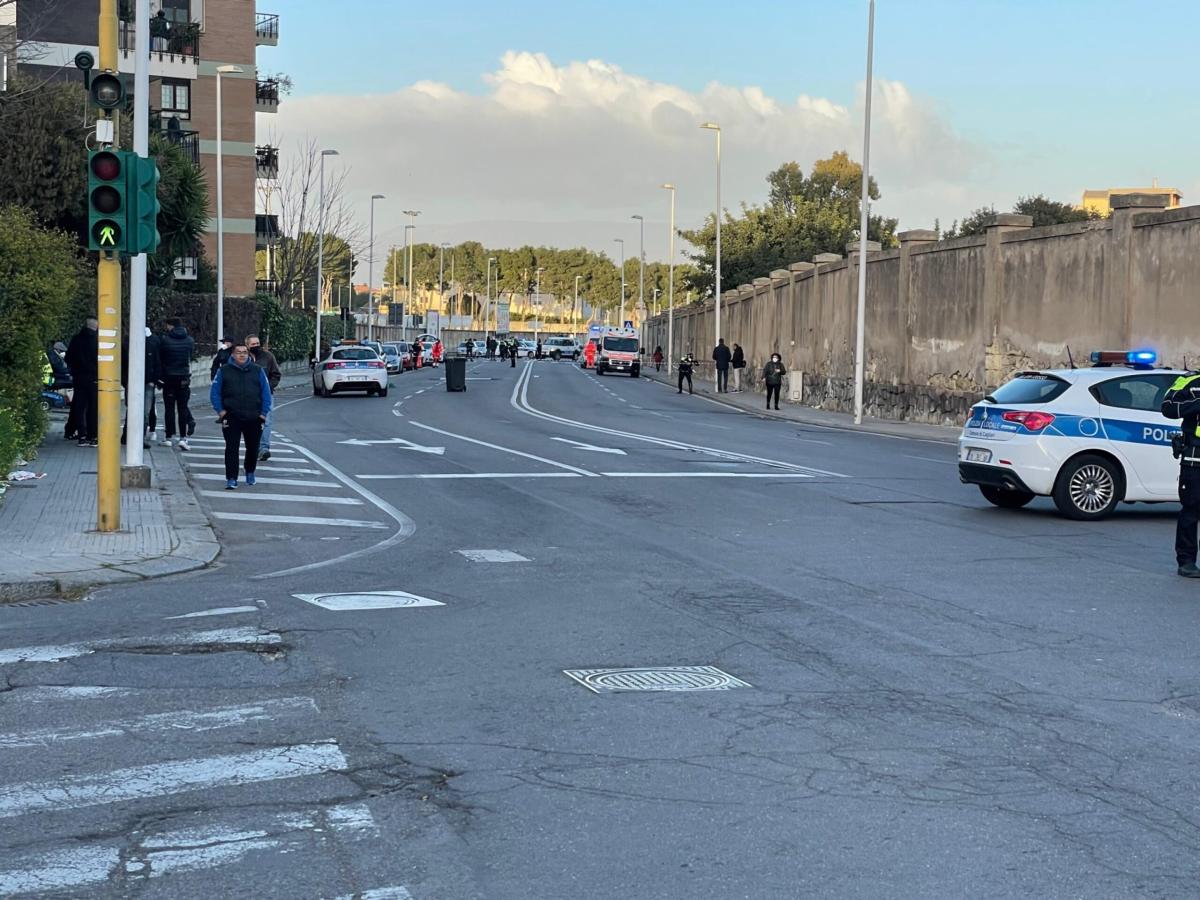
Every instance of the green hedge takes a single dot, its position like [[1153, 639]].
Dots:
[[38, 277]]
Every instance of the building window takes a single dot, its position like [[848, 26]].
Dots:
[[177, 12], [176, 98]]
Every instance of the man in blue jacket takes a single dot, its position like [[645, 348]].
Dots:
[[241, 395]]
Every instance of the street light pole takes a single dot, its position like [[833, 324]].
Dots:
[[221, 70], [321, 251], [537, 302], [621, 241], [713, 126], [641, 260], [670, 279], [371, 268], [575, 311], [488, 295], [864, 221], [412, 241]]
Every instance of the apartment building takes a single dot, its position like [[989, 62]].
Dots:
[[192, 43]]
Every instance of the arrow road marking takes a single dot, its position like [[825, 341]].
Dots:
[[398, 442], [582, 446]]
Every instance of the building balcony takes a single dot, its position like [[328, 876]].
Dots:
[[174, 54], [186, 140], [266, 162], [186, 268], [264, 286], [266, 230], [266, 95], [266, 29]]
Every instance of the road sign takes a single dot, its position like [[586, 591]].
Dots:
[[629, 323]]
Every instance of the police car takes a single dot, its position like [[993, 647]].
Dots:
[[350, 366], [1090, 438]]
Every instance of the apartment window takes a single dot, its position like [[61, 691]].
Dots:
[[177, 12], [176, 98]]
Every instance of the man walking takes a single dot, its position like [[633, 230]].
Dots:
[[512, 352], [241, 395], [266, 360], [773, 373], [721, 357], [175, 352], [685, 371], [81, 359]]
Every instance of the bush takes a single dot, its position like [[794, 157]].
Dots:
[[290, 334], [38, 278]]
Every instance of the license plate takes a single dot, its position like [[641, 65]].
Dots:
[[358, 377], [977, 455]]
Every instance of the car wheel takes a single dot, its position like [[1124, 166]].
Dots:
[[1089, 487], [382, 392], [1005, 499]]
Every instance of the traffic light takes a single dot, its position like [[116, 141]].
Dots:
[[143, 207], [106, 201], [107, 90]]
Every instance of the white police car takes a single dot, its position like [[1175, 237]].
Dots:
[[1089, 438], [350, 366]]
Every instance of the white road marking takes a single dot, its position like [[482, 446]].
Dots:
[[707, 475], [383, 893], [283, 498], [582, 446], [493, 556], [268, 480], [944, 462], [298, 520], [219, 611], [262, 467], [400, 443], [185, 720], [48, 693], [812, 441], [455, 475], [164, 779], [472, 440], [289, 403], [51, 653]]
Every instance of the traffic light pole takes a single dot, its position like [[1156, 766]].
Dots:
[[137, 474], [108, 358]]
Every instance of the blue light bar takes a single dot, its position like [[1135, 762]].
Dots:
[[1124, 357], [1142, 357]]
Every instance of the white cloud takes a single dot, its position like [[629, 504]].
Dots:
[[559, 151]]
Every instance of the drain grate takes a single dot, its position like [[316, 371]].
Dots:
[[367, 600], [656, 678]]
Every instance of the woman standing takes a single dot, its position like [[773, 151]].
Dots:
[[658, 358], [773, 373], [738, 362]]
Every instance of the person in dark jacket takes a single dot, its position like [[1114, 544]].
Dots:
[[686, 364], [658, 358], [175, 352], [151, 378], [241, 396], [1182, 401], [81, 359], [270, 365], [737, 363], [721, 357], [773, 373], [220, 357]]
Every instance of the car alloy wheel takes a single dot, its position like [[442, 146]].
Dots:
[[1091, 488]]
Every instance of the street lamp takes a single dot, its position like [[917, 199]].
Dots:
[[371, 268], [221, 70], [408, 299], [713, 126], [864, 213], [441, 285], [670, 279], [621, 241], [321, 250], [488, 294], [412, 215], [537, 301], [641, 259], [575, 310]]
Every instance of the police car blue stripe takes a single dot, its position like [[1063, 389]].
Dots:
[[1077, 427]]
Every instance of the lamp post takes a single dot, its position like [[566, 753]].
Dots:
[[221, 70], [441, 285], [713, 126], [406, 270], [860, 331], [621, 241], [657, 294], [641, 260], [488, 295], [537, 301], [412, 240], [575, 310], [321, 251], [371, 268], [670, 279]]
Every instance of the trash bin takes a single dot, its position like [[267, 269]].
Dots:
[[456, 373]]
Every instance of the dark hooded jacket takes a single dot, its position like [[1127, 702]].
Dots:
[[773, 372], [175, 353]]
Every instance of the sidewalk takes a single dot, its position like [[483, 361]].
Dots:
[[48, 545], [754, 403]]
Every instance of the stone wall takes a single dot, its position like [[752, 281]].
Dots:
[[946, 321]]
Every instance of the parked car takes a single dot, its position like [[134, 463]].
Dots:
[[394, 359], [560, 348], [527, 348], [350, 367]]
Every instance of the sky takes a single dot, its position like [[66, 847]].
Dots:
[[554, 123]]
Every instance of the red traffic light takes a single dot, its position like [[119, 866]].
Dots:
[[106, 166]]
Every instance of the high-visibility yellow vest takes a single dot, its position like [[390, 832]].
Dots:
[[1180, 383]]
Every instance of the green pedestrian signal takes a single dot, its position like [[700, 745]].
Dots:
[[106, 200], [143, 208]]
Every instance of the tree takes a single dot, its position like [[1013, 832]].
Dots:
[[787, 183], [183, 213], [975, 223], [1050, 212]]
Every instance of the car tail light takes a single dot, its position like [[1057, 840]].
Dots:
[[376, 364], [335, 365], [1032, 421]]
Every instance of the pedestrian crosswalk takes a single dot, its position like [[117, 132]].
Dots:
[[108, 790]]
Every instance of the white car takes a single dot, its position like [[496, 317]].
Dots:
[[1090, 438], [560, 348], [350, 367], [526, 348]]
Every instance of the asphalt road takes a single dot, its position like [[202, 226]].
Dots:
[[922, 696]]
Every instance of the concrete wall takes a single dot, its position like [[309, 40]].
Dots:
[[946, 321]]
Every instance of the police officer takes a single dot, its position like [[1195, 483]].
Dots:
[[1183, 402], [685, 371]]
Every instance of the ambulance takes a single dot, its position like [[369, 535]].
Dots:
[[618, 352]]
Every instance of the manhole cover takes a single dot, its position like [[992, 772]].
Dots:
[[658, 678], [367, 600]]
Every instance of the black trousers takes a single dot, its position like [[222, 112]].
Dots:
[[688, 376], [1189, 515], [85, 403], [512, 355], [773, 390], [722, 379], [177, 391], [236, 430]]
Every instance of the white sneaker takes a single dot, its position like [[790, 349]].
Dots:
[[167, 443], [183, 444]]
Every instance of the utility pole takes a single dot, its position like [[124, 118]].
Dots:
[[864, 221], [108, 308], [135, 391]]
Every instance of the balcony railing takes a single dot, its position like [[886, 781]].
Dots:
[[187, 140], [266, 230], [266, 95], [264, 286], [266, 162], [179, 41], [266, 29]]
